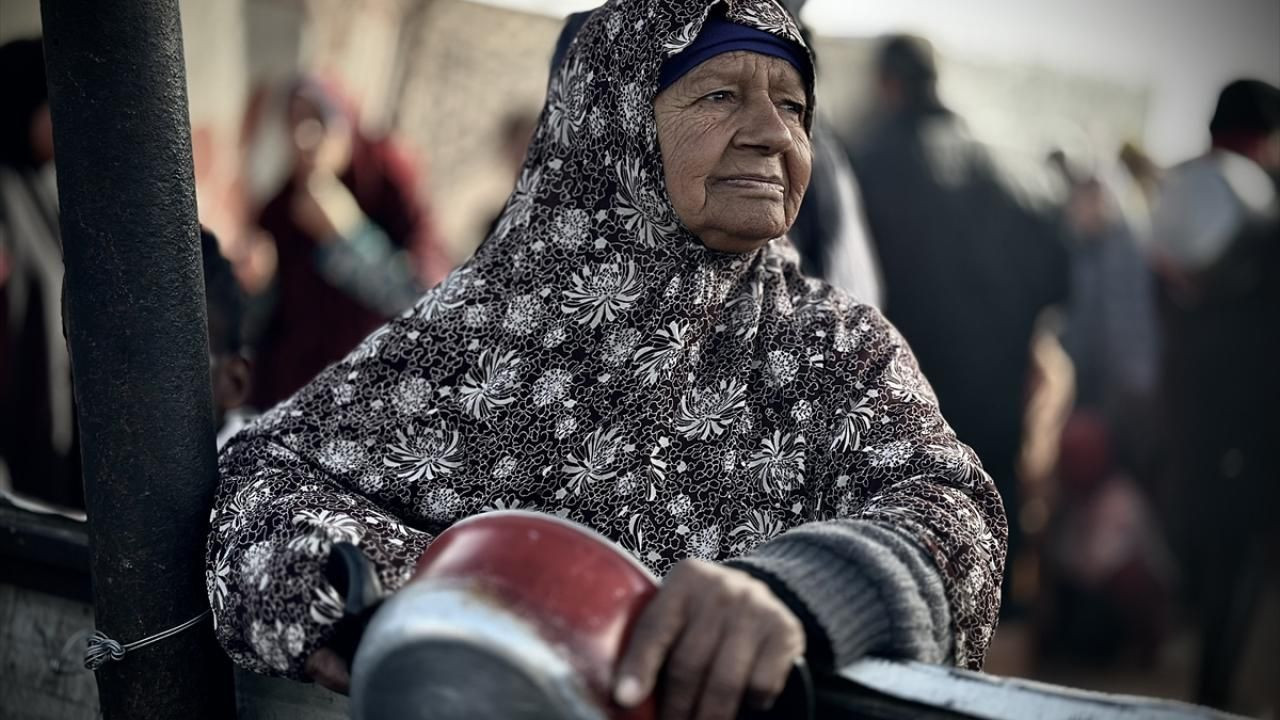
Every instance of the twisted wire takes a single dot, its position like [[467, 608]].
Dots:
[[101, 649]]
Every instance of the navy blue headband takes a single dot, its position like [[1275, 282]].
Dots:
[[720, 36]]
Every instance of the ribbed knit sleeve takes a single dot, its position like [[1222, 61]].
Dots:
[[904, 550], [861, 588]]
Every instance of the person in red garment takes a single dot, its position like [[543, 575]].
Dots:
[[635, 349], [354, 241]]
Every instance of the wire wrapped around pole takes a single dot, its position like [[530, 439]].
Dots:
[[100, 649]]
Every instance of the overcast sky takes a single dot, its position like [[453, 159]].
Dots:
[[1183, 51]]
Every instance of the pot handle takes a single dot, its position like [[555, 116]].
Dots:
[[796, 702], [356, 580]]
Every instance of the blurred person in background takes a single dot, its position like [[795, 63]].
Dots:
[[38, 443], [229, 371], [829, 232], [1108, 565], [969, 258], [1216, 244], [229, 374], [354, 243], [1107, 568], [1111, 325]]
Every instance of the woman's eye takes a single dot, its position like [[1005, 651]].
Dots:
[[718, 96], [795, 108]]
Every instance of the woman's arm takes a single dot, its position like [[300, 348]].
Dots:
[[274, 520], [912, 567], [859, 587]]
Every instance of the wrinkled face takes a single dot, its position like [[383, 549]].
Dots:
[[735, 150]]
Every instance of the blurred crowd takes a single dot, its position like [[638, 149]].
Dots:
[[1104, 332]]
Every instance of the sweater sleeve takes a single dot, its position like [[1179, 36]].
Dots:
[[859, 587], [907, 559]]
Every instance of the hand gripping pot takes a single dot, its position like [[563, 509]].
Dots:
[[510, 615]]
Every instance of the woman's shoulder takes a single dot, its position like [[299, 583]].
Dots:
[[839, 331], [810, 293]]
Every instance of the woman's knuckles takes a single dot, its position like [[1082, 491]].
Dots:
[[723, 689], [687, 669]]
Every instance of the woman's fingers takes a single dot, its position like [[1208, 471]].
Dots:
[[328, 669], [728, 677], [690, 662], [655, 632], [723, 637], [772, 668]]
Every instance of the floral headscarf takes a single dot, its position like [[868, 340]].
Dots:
[[595, 360]]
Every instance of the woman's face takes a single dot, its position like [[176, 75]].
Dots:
[[735, 150]]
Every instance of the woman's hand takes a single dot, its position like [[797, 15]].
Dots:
[[723, 637], [323, 207]]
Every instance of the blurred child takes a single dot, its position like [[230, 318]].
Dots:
[[228, 368]]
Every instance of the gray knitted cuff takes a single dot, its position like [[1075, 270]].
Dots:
[[863, 585]]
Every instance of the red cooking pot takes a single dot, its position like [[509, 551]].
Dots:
[[511, 615]]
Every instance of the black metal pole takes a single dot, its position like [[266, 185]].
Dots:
[[135, 319]]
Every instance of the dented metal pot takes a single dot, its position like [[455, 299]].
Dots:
[[511, 615]]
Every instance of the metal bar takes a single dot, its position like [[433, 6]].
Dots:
[[44, 552], [875, 688], [135, 318]]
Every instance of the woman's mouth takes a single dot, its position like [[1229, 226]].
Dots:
[[753, 183]]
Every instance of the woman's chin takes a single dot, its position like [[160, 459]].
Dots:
[[742, 239]]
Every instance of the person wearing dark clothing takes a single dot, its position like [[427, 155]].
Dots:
[[229, 372], [39, 450], [1217, 239], [1110, 329], [969, 258], [354, 241]]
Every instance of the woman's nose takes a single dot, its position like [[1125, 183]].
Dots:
[[763, 128]]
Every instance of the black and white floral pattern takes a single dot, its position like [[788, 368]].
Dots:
[[655, 361], [490, 384], [646, 217], [778, 466], [851, 422], [437, 303], [594, 360], [759, 527], [412, 396], [424, 454], [567, 101], [520, 208], [322, 528], [597, 461], [524, 314], [552, 387], [706, 413], [600, 293]]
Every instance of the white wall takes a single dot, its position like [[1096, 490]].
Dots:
[[1179, 53], [19, 18]]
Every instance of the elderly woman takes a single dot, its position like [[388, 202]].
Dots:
[[635, 349]]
